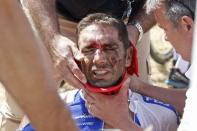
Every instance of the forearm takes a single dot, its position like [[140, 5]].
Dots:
[[42, 16], [145, 20], [62, 49], [175, 97], [26, 71]]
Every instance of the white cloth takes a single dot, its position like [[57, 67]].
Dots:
[[181, 64], [188, 122], [149, 114], [188, 72]]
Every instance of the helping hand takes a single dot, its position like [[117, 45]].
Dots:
[[64, 52], [112, 109]]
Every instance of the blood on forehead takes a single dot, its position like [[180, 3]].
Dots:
[[99, 45]]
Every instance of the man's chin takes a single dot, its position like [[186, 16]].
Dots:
[[103, 84]]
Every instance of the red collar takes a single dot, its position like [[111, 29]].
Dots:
[[107, 91], [133, 68]]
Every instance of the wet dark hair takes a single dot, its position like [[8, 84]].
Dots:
[[107, 20]]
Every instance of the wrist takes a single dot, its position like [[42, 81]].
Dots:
[[133, 34], [138, 28], [134, 29], [136, 84]]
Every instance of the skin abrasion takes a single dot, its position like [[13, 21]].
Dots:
[[104, 55]]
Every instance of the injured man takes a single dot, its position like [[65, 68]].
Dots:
[[109, 58]]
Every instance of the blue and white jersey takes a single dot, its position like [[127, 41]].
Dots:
[[153, 113], [84, 120], [148, 112]]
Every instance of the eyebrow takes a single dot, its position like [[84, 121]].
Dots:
[[108, 44]]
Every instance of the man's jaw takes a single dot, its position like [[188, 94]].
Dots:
[[107, 90]]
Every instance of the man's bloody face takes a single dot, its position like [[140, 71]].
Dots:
[[104, 55]]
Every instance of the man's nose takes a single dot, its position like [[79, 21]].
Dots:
[[99, 57]]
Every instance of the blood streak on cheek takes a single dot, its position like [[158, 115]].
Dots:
[[113, 61]]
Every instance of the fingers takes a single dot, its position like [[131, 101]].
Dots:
[[92, 102], [77, 54], [90, 107], [72, 80], [93, 109], [64, 73], [88, 97], [63, 52], [89, 102], [74, 67]]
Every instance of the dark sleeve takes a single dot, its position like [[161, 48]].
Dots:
[[137, 5]]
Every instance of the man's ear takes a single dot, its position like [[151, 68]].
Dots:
[[187, 23], [129, 56]]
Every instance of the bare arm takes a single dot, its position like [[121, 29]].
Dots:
[[175, 97], [145, 20], [26, 71], [43, 18]]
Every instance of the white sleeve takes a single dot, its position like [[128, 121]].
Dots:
[[188, 122], [153, 113]]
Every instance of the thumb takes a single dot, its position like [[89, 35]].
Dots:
[[77, 54]]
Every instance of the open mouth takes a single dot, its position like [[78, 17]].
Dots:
[[101, 73]]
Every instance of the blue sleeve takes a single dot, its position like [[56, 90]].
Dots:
[[28, 127]]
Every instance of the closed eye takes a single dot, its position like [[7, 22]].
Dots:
[[88, 50], [110, 48]]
